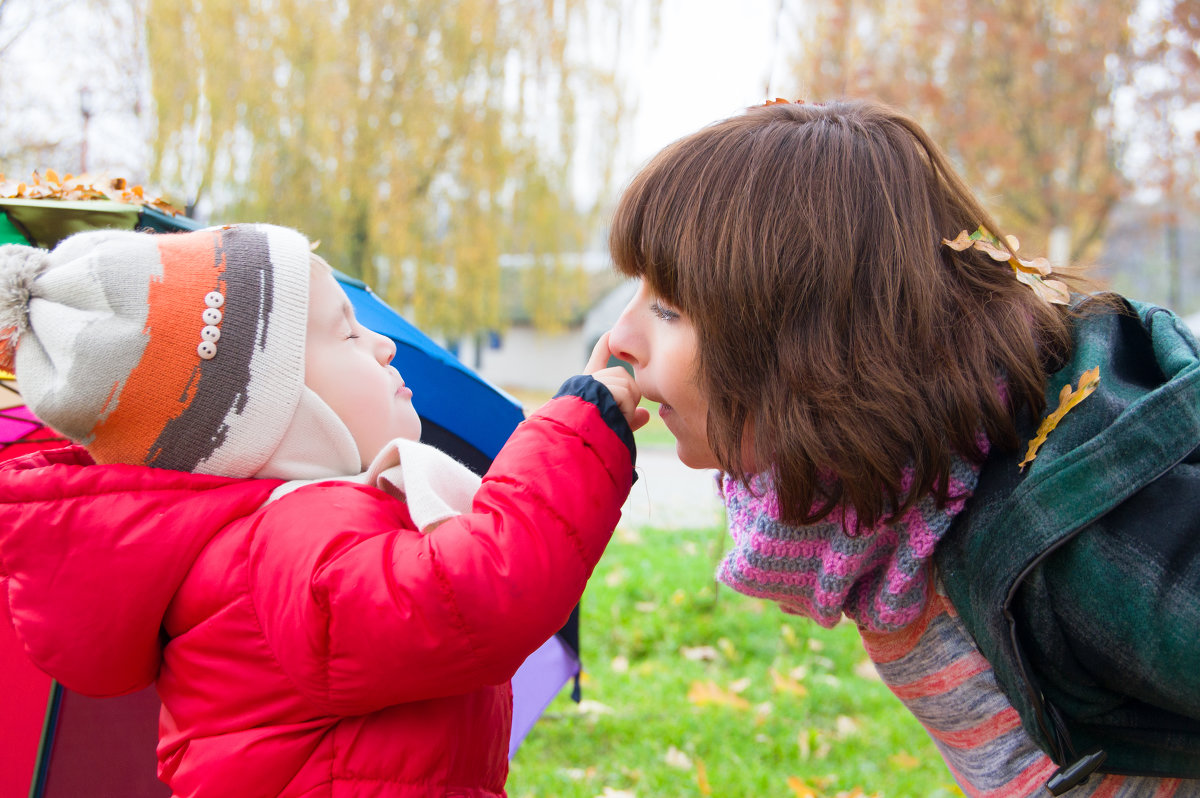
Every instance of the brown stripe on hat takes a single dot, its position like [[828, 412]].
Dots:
[[222, 384]]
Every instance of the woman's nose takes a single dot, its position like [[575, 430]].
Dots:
[[625, 340]]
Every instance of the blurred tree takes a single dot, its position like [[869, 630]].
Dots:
[[65, 64], [1164, 148], [1020, 94], [417, 139]]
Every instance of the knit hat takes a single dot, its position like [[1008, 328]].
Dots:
[[181, 351]]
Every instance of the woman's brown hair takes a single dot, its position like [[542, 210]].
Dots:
[[804, 244]]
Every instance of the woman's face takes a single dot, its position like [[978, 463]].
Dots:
[[661, 345]]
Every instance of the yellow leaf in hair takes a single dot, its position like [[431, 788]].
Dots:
[[1067, 399], [1036, 266], [963, 241], [995, 252], [1052, 291]]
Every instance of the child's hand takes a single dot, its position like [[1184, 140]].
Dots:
[[624, 390]]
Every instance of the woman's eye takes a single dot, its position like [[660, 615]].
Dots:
[[663, 312]]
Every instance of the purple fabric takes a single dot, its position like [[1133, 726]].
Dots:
[[536, 683]]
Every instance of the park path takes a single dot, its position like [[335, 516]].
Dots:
[[669, 495]]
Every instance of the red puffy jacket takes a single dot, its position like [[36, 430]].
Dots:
[[318, 645]]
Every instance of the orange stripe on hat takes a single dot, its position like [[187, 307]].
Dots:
[[163, 383]]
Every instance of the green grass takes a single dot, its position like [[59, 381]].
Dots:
[[791, 709]]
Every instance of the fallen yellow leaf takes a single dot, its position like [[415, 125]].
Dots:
[[740, 685], [78, 188], [699, 653], [800, 788], [677, 759], [706, 693], [904, 760], [609, 792], [845, 726], [786, 684], [702, 778], [1067, 399]]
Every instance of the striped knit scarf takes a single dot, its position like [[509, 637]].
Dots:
[[879, 577]]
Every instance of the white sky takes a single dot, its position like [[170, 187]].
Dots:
[[711, 61]]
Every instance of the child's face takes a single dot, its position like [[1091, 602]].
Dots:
[[660, 343], [347, 365]]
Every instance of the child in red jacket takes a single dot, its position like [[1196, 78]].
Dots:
[[325, 605]]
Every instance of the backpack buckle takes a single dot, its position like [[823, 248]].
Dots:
[[1076, 773]]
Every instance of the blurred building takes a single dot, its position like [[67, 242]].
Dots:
[[524, 357], [1153, 255]]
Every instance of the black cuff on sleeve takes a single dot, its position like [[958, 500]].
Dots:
[[592, 390]]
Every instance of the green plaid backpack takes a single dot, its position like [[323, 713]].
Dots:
[[1079, 578]]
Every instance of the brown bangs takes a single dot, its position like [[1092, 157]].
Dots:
[[653, 232], [835, 331]]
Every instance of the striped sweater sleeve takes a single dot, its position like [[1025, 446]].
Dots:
[[934, 668]]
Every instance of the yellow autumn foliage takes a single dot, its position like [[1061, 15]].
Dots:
[[420, 140]]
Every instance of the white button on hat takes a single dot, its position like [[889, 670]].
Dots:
[[211, 316], [207, 350], [214, 299], [211, 333]]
